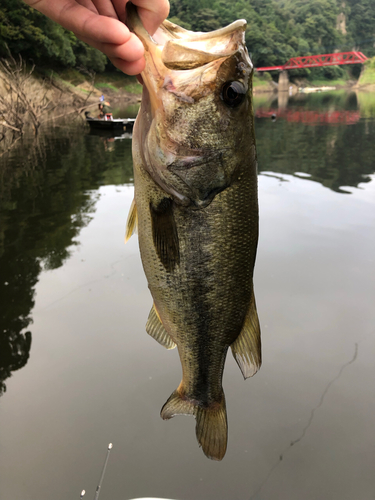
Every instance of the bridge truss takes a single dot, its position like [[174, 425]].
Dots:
[[336, 59]]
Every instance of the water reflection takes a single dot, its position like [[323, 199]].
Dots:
[[95, 376], [47, 191], [323, 101], [126, 112], [48, 187], [334, 156]]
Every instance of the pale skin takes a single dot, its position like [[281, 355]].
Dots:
[[101, 24]]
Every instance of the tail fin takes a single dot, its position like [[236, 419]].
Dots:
[[211, 428]]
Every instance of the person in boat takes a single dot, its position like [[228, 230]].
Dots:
[[105, 110]]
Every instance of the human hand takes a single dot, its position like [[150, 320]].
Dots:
[[101, 24]]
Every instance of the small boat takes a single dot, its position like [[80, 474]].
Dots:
[[110, 123]]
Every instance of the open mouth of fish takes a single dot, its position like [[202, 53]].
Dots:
[[184, 70]]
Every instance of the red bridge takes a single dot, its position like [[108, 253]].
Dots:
[[336, 59]]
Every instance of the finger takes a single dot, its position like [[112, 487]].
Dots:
[[105, 8], [83, 21], [130, 51], [151, 12], [120, 7], [130, 68], [88, 4]]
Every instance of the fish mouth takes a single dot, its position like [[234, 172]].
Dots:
[[184, 49], [173, 48]]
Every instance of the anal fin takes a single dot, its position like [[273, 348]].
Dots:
[[132, 222], [155, 328], [246, 349]]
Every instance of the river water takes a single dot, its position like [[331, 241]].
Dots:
[[78, 371]]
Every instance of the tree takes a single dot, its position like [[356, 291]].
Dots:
[[29, 33]]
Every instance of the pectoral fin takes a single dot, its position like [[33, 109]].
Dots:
[[132, 222], [164, 233], [155, 328], [246, 349]]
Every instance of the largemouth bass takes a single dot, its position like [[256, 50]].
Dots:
[[196, 208]]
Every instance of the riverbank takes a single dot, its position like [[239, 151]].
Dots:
[[367, 78], [49, 94], [113, 85], [29, 98], [79, 90]]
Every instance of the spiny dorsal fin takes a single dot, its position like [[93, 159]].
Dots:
[[246, 349], [211, 423], [132, 222], [155, 328], [164, 233]]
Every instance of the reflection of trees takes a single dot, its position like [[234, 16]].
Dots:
[[17, 281], [47, 192], [335, 156]]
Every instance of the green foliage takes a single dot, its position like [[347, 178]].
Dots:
[[370, 63], [177, 20], [116, 81], [106, 86], [133, 88], [48, 194], [280, 29], [262, 79], [361, 25], [368, 75], [27, 32], [276, 31], [88, 57]]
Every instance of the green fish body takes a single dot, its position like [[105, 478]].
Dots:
[[196, 210]]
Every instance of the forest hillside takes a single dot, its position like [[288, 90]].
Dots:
[[276, 31]]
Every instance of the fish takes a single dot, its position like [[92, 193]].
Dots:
[[195, 210]]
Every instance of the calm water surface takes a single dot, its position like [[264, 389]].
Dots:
[[77, 369]]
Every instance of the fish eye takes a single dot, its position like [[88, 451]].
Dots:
[[233, 93]]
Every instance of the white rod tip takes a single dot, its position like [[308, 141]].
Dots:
[[83, 493], [110, 446]]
